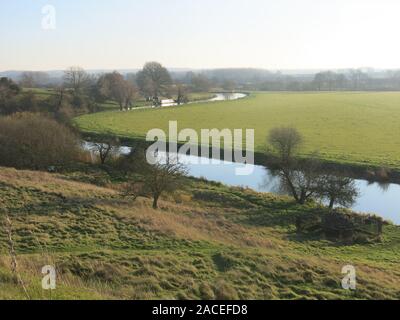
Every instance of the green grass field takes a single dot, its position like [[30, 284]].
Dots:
[[41, 93], [346, 127]]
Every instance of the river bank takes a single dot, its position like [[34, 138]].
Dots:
[[371, 173], [377, 197], [341, 127]]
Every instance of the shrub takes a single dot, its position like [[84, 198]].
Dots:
[[341, 225], [32, 141]]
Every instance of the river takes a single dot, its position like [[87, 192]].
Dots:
[[380, 199], [217, 97]]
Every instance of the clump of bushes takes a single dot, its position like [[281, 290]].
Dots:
[[350, 227], [33, 141], [379, 174], [342, 226]]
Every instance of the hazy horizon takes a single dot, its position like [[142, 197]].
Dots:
[[183, 69], [262, 34]]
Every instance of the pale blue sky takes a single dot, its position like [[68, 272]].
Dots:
[[284, 34]]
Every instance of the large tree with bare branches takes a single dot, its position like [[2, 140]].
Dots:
[[76, 78], [114, 86], [153, 80], [300, 179], [165, 176]]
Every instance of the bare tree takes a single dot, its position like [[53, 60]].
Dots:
[[338, 189], [153, 81], [32, 79], [131, 94], [165, 176], [27, 80], [198, 82], [76, 78], [303, 180], [181, 95], [329, 80], [358, 79], [299, 178], [119, 89], [107, 148], [285, 142], [229, 85], [114, 86]]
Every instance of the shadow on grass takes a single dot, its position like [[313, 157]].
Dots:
[[283, 214]]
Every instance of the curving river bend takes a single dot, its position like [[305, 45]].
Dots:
[[380, 199], [217, 97]]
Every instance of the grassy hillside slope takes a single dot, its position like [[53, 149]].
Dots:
[[349, 127], [241, 244]]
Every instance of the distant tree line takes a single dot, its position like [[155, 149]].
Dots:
[[81, 92], [154, 80], [263, 80], [36, 131]]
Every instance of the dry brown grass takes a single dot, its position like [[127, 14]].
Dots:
[[48, 182], [191, 249], [186, 220], [191, 222]]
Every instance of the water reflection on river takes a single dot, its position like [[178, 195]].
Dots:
[[381, 199], [217, 97]]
